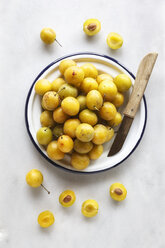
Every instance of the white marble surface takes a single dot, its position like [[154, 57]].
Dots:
[[139, 220]]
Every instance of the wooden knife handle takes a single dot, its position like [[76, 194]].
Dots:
[[140, 84]]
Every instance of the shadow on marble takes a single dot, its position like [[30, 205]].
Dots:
[[113, 53], [83, 178], [50, 49], [117, 204], [34, 192], [67, 211], [90, 38], [89, 220], [46, 231]]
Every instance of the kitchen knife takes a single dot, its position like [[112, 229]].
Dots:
[[142, 77]]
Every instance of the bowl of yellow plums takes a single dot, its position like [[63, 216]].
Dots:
[[74, 109]]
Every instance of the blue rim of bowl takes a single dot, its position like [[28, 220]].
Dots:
[[27, 123]]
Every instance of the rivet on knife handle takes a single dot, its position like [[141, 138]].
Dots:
[[140, 84]]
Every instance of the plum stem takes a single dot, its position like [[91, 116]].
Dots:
[[45, 188], [62, 89], [58, 42], [96, 108]]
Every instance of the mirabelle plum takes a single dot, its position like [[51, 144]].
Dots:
[[82, 147], [114, 40], [59, 115], [90, 208], [82, 102], [116, 120], [96, 152], [46, 119], [110, 133], [100, 134], [94, 100], [103, 77], [89, 70], [65, 64], [57, 83], [70, 127], [48, 35], [70, 106], [85, 132], [118, 192], [34, 178], [54, 152], [79, 161], [58, 131], [107, 111], [42, 104], [65, 143], [51, 100], [88, 116], [46, 219], [118, 100], [44, 136], [91, 26], [123, 82], [88, 84], [67, 198], [67, 90], [107, 89], [74, 75], [42, 86]]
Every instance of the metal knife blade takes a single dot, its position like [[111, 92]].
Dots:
[[121, 135], [142, 78]]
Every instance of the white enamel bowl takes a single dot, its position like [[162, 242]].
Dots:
[[103, 64]]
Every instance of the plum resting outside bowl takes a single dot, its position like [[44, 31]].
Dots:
[[104, 64]]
